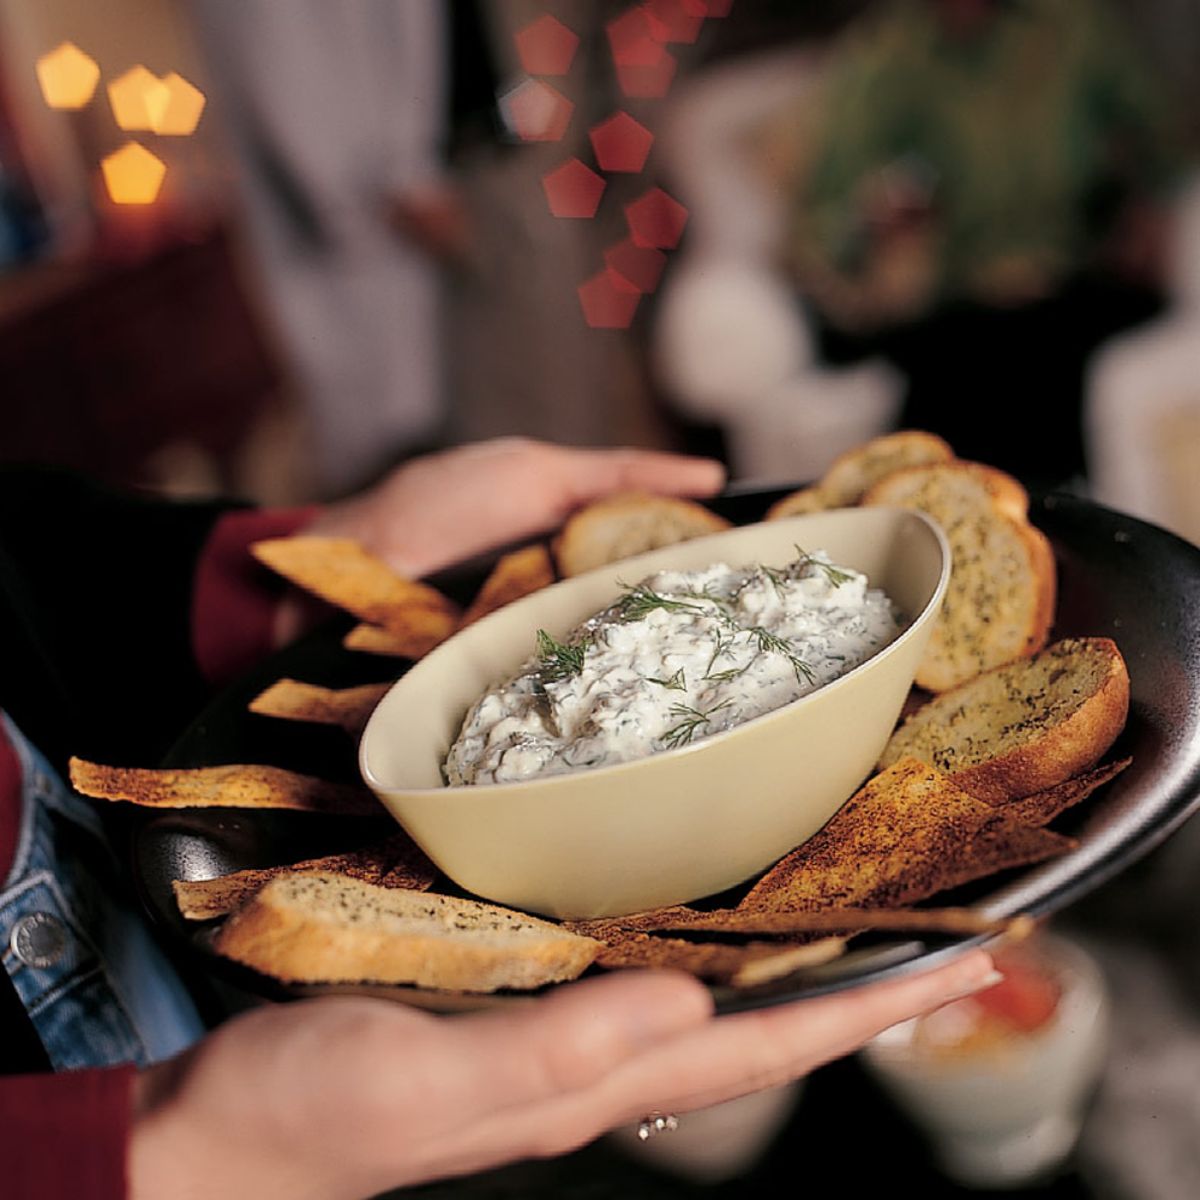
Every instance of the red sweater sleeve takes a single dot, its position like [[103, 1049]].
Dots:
[[64, 1136], [235, 597]]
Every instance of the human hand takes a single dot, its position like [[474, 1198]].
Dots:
[[439, 509], [342, 1098]]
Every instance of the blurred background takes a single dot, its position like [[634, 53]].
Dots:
[[273, 247]]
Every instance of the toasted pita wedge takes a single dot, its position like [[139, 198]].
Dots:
[[1025, 726], [965, 921], [612, 929], [421, 637], [907, 834], [627, 524], [396, 862], [341, 572], [515, 575], [292, 700], [1042, 807], [232, 786], [742, 965], [316, 927]]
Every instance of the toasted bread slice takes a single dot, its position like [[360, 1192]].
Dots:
[[905, 835], [327, 928], [294, 700], [395, 862], [1042, 807], [628, 524], [1000, 601], [854, 473], [1023, 727], [234, 785], [742, 965], [851, 474], [1007, 493], [806, 500], [515, 575], [341, 572]]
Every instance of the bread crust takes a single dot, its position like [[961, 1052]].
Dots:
[[975, 506], [298, 940], [796, 504], [1047, 587], [1052, 754], [627, 524], [852, 474], [856, 470]]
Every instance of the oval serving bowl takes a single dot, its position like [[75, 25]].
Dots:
[[683, 823]]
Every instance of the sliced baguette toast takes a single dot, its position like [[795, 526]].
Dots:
[[1000, 601], [1007, 494], [795, 504], [1023, 727], [321, 927], [627, 524], [851, 474]]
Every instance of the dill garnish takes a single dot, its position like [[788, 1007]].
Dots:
[[677, 682], [707, 593], [835, 577], [558, 660], [640, 600], [720, 646], [776, 576], [769, 642], [725, 676], [692, 719]]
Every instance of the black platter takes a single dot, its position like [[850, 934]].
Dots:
[[1117, 577]]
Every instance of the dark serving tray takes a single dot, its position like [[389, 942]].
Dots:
[[1117, 577]]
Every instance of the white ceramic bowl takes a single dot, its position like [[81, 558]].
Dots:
[[677, 825]]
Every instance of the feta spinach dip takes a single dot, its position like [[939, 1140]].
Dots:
[[676, 658]]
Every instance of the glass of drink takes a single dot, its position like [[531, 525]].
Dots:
[[1000, 1081]]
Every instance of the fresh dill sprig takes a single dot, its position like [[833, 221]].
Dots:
[[558, 660], [776, 576], [640, 600], [772, 643], [677, 682], [707, 593], [725, 676], [835, 577], [721, 646], [692, 720]]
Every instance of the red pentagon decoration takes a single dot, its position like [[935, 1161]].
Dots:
[[535, 112], [648, 83], [573, 190], [546, 46], [640, 266], [631, 36], [656, 220], [621, 143], [676, 20], [608, 301]]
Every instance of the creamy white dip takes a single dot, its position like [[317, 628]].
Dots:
[[679, 657]]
